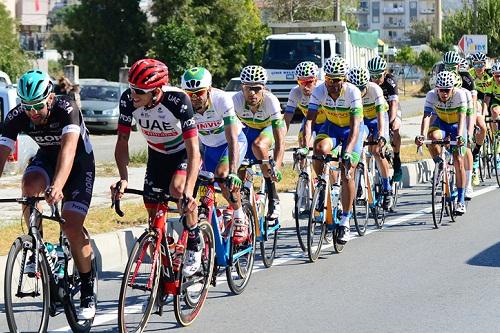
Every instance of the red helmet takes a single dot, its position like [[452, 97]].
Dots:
[[148, 74]]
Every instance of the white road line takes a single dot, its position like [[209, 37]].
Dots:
[[111, 315]]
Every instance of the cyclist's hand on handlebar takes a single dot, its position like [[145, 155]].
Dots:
[[187, 204], [419, 139], [233, 182], [460, 140], [276, 175], [303, 151], [382, 141], [53, 195], [117, 189]]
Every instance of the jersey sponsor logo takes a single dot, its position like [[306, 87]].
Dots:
[[161, 134], [47, 139], [123, 103], [188, 123], [156, 125], [74, 194], [183, 108], [174, 99], [14, 113], [127, 119], [89, 182], [54, 125], [209, 124]]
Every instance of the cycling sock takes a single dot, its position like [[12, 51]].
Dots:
[[397, 161], [87, 286], [271, 188], [194, 241], [386, 184], [468, 178], [476, 149], [461, 197], [344, 221]]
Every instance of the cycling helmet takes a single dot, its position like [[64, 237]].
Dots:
[[458, 80], [306, 69], [196, 78], [445, 80], [335, 66], [463, 66], [451, 58], [34, 86], [377, 64], [358, 76], [478, 57], [148, 74], [253, 75], [495, 68]]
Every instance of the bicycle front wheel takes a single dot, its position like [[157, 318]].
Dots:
[[316, 228], [360, 210], [496, 158], [139, 285], [268, 234], [302, 200], [27, 296], [438, 197], [193, 290]]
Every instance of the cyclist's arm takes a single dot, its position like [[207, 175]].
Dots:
[[65, 159], [279, 131], [392, 99], [393, 110], [231, 131], [312, 112], [289, 111], [11, 128], [291, 106], [193, 164], [355, 125], [428, 111], [123, 134], [4, 154], [380, 123]]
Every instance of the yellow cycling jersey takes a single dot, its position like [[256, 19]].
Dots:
[[268, 112], [482, 84], [296, 99], [493, 90], [373, 101], [446, 111], [338, 111]]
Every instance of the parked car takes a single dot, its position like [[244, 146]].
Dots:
[[233, 86], [4, 78], [100, 103]]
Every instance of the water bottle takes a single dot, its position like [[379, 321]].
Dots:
[[52, 252], [334, 192], [227, 219], [61, 262]]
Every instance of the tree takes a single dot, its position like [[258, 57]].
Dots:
[[488, 22], [425, 60], [110, 30], [312, 10], [406, 56], [419, 33], [13, 60], [220, 32]]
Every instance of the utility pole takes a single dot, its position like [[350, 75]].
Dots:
[[336, 10], [439, 20], [475, 16]]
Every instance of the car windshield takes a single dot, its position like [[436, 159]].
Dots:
[[233, 85], [100, 93], [287, 53]]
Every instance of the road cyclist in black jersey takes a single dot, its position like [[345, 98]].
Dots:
[[63, 168], [164, 115]]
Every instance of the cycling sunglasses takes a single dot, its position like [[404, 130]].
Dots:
[[376, 76], [306, 82], [37, 107], [139, 91], [255, 89], [198, 93], [332, 80], [445, 90], [478, 64]]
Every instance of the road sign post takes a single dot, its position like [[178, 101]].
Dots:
[[473, 43]]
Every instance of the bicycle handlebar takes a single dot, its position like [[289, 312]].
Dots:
[[31, 201], [326, 158]]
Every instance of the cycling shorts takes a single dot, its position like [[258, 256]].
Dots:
[[372, 126], [78, 188], [160, 170], [446, 130], [213, 156], [253, 133], [339, 135]]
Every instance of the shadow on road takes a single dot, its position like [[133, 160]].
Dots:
[[489, 257]]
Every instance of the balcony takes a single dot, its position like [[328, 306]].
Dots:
[[400, 25], [362, 10], [391, 10], [427, 11]]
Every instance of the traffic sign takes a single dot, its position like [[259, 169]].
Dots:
[[473, 43]]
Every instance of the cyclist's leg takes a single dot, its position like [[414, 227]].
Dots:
[[396, 146], [468, 161], [495, 112], [323, 145], [479, 136], [435, 133], [36, 179], [459, 164]]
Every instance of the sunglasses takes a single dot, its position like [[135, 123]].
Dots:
[[333, 80], [140, 91], [306, 82], [37, 107], [255, 89], [444, 90], [198, 93], [478, 65], [376, 76], [450, 67]]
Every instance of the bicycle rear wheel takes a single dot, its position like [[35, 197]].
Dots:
[[316, 228], [27, 308], [238, 274], [396, 193], [193, 290], [496, 159], [360, 211], [267, 243], [137, 298], [438, 197], [302, 204]]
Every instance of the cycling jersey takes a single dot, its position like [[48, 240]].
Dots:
[[211, 123], [390, 88], [481, 84], [448, 112], [268, 112], [468, 82], [494, 92], [338, 111], [296, 99], [166, 125], [373, 101]]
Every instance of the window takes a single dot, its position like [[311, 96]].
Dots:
[[413, 10], [326, 45], [1, 114], [376, 12]]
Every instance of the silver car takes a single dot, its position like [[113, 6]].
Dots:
[[100, 103]]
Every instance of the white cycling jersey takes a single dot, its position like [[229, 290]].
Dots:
[[268, 113], [446, 111], [211, 123], [373, 101], [296, 99]]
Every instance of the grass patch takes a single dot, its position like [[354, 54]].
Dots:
[[138, 158], [106, 169], [408, 153]]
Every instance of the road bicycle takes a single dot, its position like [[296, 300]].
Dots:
[[266, 232], [154, 271], [30, 298], [303, 195], [235, 259], [490, 158]]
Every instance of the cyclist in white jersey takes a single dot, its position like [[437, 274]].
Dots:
[[447, 107], [223, 142], [376, 121], [260, 112]]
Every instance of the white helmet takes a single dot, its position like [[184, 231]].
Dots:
[[196, 78], [306, 69], [253, 75], [358, 76], [335, 66], [495, 68], [445, 80]]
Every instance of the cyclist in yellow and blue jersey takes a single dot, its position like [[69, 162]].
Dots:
[[341, 102], [493, 99], [376, 120], [447, 108], [307, 79], [260, 111]]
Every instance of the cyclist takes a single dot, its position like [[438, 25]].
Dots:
[[377, 67], [448, 107], [260, 112], [492, 99], [375, 120], [63, 167], [165, 117], [464, 80], [341, 101], [223, 142], [307, 79], [482, 79]]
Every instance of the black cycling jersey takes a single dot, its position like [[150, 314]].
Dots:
[[390, 87], [467, 81]]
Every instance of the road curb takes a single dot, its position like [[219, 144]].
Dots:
[[417, 172]]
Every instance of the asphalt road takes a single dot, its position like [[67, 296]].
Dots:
[[407, 277]]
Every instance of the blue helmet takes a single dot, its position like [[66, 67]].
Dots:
[[34, 86]]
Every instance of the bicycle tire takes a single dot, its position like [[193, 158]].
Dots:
[[336, 245], [316, 222], [496, 159], [438, 197], [237, 274], [489, 148], [187, 311], [360, 210], [267, 246], [300, 201], [21, 242], [396, 193], [145, 242]]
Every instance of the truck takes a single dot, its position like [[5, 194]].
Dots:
[[291, 43]]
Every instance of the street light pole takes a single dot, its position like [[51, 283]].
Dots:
[[475, 16], [439, 20]]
